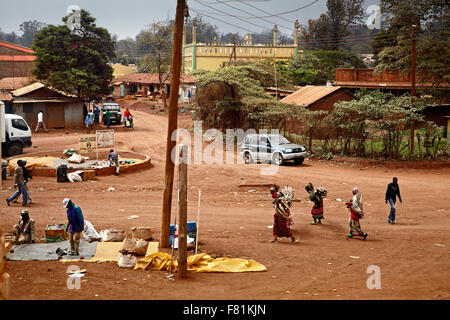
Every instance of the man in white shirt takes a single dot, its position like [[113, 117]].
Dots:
[[40, 121]]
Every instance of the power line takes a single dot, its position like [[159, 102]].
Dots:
[[275, 14], [252, 15], [236, 17]]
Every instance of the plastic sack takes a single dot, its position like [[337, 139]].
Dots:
[[112, 235], [127, 260], [76, 158], [75, 176]]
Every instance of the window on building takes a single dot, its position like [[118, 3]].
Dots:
[[240, 50], [220, 50], [215, 50], [27, 107], [200, 49]]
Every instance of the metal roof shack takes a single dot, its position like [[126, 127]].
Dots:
[[61, 110], [319, 97]]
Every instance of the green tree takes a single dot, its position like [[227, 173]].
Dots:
[[75, 62], [318, 66], [393, 46], [156, 43]]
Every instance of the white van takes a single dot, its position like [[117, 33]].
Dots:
[[16, 134]]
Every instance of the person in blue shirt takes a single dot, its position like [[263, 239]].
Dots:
[[96, 114], [75, 225]]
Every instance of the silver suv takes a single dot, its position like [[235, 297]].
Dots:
[[271, 147]]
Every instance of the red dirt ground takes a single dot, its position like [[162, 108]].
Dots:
[[413, 254]]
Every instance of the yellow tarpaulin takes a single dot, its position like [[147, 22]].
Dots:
[[199, 263], [109, 252]]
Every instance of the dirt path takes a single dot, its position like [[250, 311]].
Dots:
[[412, 254]]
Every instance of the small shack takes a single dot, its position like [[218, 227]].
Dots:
[[319, 97], [60, 110]]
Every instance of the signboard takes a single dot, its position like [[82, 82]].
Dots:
[[105, 138], [88, 144]]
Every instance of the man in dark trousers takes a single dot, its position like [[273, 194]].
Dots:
[[114, 158], [392, 192], [75, 225]]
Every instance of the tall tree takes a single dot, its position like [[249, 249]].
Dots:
[[77, 61], [206, 32], [328, 31], [29, 29], [156, 43], [393, 45]]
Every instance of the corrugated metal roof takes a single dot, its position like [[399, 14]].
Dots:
[[149, 78], [309, 94], [30, 88]]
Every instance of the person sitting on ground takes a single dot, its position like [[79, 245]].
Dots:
[[23, 231], [114, 157]]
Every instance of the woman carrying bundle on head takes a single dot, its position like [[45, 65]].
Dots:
[[356, 212], [316, 196], [282, 225]]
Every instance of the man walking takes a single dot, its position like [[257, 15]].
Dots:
[[23, 231], [75, 225], [108, 118], [40, 122], [114, 157], [96, 114], [26, 176], [392, 192], [19, 183]]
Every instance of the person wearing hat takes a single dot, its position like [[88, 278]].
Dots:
[[75, 225], [19, 183], [23, 231]]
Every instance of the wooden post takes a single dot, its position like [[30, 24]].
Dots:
[[413, 90], [198, 219], [172, 122], [182, 214], [4, 277]]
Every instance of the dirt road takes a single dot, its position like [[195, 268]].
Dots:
[[413, 255]]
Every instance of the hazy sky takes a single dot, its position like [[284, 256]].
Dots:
[[127, 18]]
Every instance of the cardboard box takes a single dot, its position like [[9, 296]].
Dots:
[[55, 232], [143, 233], [134, 246]]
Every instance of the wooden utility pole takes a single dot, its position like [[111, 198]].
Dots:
[[182, 213], [4, 277], [172, 122], [413, 90]]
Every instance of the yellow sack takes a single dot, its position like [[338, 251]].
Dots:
[[199, 263]]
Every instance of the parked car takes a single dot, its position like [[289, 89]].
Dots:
[[273, 148], [114, 109]]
